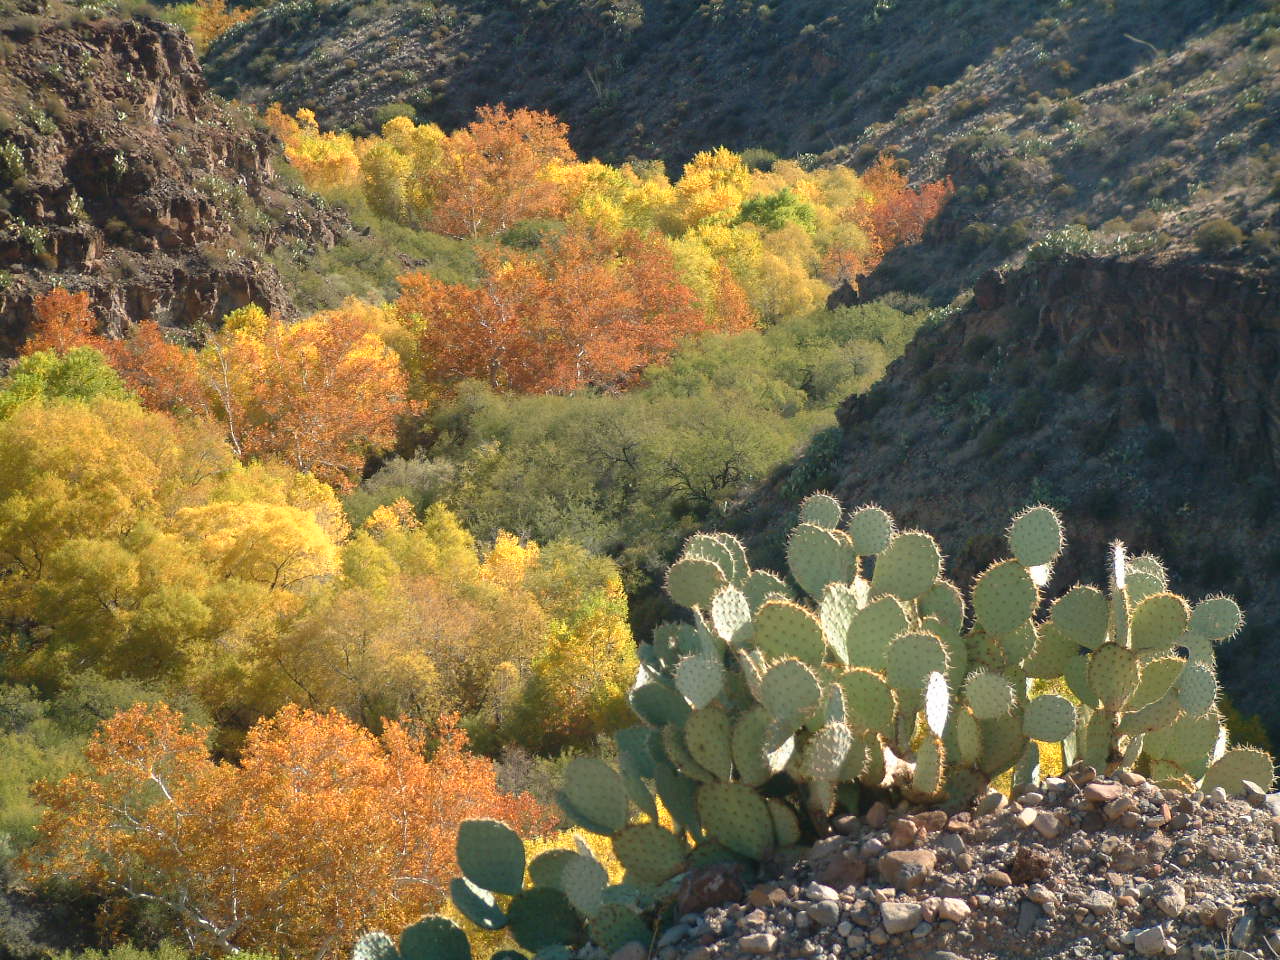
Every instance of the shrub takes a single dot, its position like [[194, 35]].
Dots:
[[389, 111], [1218, 237]]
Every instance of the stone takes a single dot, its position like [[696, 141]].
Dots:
[[1041, 894], [1172, 900], [877, 815], [630, 951], [953, 843], [1149, 942], [1028, 914], [899, 916], [1027, 816], [760, 944], [907, 869], [1242, 931], [1118, 807], [991, 803], [1102, 791], [1100, 903], [1047, 825], [903, 834], [818, 891], [824, 912], [1129, 778], [1029, 866], [997, 878], [953, 909]]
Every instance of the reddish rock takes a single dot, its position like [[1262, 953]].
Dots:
[[907, 869]]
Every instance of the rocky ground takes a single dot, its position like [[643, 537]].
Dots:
[[1080, 867]]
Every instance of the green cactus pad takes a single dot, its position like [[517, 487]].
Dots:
[[542, 917], [1113, 675], [434, 938], [649, 852], [693, 582], [872, 704], [944, 601], [707, 736], [1197, 689], [937, 703], [1216, 618], [855, 761], [1139, 585], [1153, 716], [1188, 742], [615, 925], [834, 708], [930, 762], [1035, 536], [747, 744], [700, 680], [704, 546], [871, 530], [1150, 565], [596, 794], [957, 650], [817, 556], [583, 880], [1004, 597], [635, 750], [825, 752], [968, 737], [986, 652], [739, 568], [1049, 718], [821, 510], [912, 657], [1077, 676], [375, 945], [785, 629], [1019, 644], [872, 631], [675, 750], [836, 613], [1237, 765], [1198, 648], [1081, 613], [1158, 677], [1003, 744], [658, 704], [1158, 621], [1094, 740], [735, 816], [790, 690], [678, 794], [908, 567], [491, 855], [990, 696], [730, 613], [761, 585], [546, 868], [477, 905], [1053, 650], [786, 826], [752, 665]]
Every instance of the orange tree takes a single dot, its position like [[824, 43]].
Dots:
[[322, 831]]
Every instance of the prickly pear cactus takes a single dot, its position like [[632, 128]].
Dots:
[[762, 713]]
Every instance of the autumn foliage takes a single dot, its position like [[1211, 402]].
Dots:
[[320, 832]]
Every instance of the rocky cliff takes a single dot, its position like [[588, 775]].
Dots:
[[121, 174]]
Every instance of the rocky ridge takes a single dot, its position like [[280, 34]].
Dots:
[[1080, 866]]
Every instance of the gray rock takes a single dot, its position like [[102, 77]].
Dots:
[[674, 935], [630, 951], [758, 943], [1149, 942], [1242, 931], [820, 891], [953, 909], [899, 917], [1172, 900], [1100, 903], [1028, 914], [825, 912]]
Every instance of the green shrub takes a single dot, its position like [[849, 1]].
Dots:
[[389, 111], [1218, 237]]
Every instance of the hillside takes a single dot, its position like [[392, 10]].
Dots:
[[121, 174]]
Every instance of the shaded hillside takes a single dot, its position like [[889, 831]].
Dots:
[[1142, 401], [121, 174], [665, 78]]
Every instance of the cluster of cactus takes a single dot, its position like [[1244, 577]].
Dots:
[[765, 714]]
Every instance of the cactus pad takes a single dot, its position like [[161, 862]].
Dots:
[[786, 827], [616, 925], [1077, 676], [817, 556], [1018, 644], [434, 938], [1158, 621], [1049, 718], [836, 613], [1003, 744], [790, 690], [735, 816], [1053, 650], [1139, 585], [1035, 536], [1192, 743], [546, 868], [825, 752], [705, 546], [990, 695], [1216, 618], [583, 880], [1081, 613], [678, 795], [1197, 689], [760, 585], [737, 553], [693, 581], [871, 529], [478, 906], [930, 760], [943, 600], [1153, 716], [542, 917], [821, 510], [375, 945], [1237, 765], [596, 797], [968, 737], [491, 855], [1004, 597], [785, 629], [675, 750], [912, 657], [937, 703], [908, 566], [649, 852], [871, 703], [658, 704], [747, 744], [1158, 678], [872, 630], [730, 612], [1113, 675], [707, 735], [700, 680]]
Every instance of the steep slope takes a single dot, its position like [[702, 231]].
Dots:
[[1142, 400], [121, 174]]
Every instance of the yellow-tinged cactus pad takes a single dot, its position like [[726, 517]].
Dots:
[[968, 736], [908, 566], [930, 762], [872, 630], [1004, 597], [1139, 585], [595, 791], [748, 746], [673, 746], [693, 582], [1081, 613], [1158, 621], [871, 530], [1049, 718], [1216, 618], [786, 629], [737, 817], [1019, 644], [1077, 676], [649, 852], [1237, 765], [1154, 716], [707, 735], [821, 510], [817, 556], [1189, 742], [1035, 536], [836, 613], [1114, 675], [871, 703], [1003, 743]]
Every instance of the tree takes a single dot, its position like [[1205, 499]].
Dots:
[[321, 832], [62, 320], [81, 373]]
